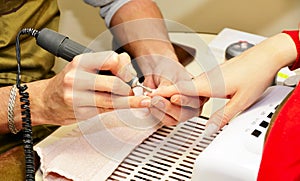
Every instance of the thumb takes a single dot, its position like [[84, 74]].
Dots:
[[223, 116], [124, 68]]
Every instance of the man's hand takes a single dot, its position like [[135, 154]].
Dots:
[[79, 92]]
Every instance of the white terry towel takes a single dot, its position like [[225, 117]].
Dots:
[[92, 149]]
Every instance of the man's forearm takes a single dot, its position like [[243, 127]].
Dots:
[[139, 27], [35, 90]]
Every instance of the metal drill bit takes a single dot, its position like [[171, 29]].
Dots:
[[148, 89], [135, 83]]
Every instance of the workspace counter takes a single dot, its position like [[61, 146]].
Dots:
[[194, 40]]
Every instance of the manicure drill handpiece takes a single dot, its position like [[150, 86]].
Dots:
[[61, 46]]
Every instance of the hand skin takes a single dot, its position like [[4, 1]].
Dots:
[[78, 92], [175, 110], [242, 79], [139, 28]]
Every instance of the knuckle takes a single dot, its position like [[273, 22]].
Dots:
[[76, 61], [68, 79], [68, 98], [104, 102], [113, 58], [134, 102]]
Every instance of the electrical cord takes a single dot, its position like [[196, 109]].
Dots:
[[25, 110]]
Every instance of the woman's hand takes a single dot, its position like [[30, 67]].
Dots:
[[172, 112], [242, 79]]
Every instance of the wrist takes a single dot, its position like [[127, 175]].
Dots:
[[150, 53], [162, 48], [37, 105], [14, 123], [294, 35], [279, 50]]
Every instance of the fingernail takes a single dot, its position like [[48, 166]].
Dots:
[[150, 94], [154, 91], [146, 102], [138, 91], [174, 99], [210, 129]]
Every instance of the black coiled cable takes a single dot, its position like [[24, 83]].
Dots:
[[25, 110]]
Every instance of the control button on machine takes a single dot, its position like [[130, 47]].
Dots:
[[264, 124], [237, 48], [256, 133]]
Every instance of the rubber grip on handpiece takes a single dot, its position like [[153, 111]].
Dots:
[[60, 45]]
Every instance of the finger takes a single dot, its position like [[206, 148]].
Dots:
[[95, 82], [154, 81], [119, 65], [92, 62], [107, 100], [197, 86], [112, 84], [165, 82], [177, 112], [207, 84], [223, 116], [165, 91], [163, 117], [189, 101], [149, 82], [125, 69]]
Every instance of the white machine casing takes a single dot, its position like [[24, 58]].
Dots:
[[235, 154]]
